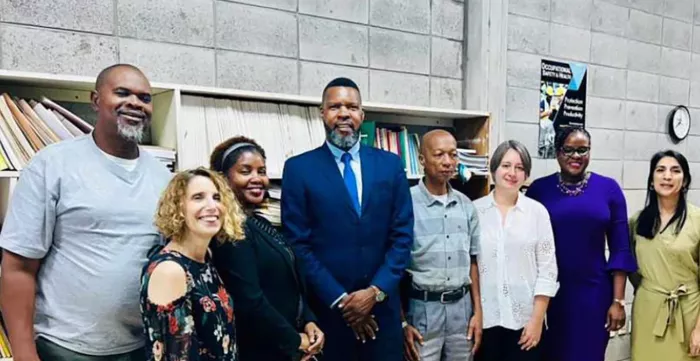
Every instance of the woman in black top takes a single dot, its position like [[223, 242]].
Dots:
[[273, 321]]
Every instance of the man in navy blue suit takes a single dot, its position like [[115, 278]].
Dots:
[[347, 211]]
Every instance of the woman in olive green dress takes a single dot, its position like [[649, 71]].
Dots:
[[665, 237]]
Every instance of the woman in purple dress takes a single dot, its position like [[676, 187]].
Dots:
[[585, 209]]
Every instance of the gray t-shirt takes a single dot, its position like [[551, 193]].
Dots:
[[91, 222]]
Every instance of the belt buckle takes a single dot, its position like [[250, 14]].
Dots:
[[442, 297]]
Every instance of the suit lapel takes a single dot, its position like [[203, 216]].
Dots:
[[335, 179], [368, 171]]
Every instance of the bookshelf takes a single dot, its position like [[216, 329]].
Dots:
[[175, 128]]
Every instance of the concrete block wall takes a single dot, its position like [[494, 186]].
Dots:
[[398, 51], [643, 57]]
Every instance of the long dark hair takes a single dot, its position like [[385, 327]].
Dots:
[[650, 218]]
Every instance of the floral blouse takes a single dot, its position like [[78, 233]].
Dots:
[[196, 326]]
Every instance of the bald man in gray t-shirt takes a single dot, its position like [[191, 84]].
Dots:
[[77, 232]]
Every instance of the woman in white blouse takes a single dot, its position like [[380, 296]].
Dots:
[[517, 263]]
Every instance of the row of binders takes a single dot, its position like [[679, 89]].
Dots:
[[27, 126], [283, 130], [396, 140]]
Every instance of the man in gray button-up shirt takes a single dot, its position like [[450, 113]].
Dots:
[[442, 322]]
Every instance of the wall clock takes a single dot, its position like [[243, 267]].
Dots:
[[679, 123]]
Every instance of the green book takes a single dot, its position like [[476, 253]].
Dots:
[[367, 133], [403, 143]]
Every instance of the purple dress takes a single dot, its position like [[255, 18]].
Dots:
[[577, 314]]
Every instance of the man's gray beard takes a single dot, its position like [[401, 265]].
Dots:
[[342, 142], [131, 133]]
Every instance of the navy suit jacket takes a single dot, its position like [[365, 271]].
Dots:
[[342, 251]]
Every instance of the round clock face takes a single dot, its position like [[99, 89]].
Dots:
[[680, 123]]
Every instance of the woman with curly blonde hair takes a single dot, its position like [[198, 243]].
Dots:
[[187, 312]]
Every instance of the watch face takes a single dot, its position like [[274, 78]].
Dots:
[[680, 122]]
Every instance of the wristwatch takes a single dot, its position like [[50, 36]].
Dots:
[[379, 295], [620, 302]]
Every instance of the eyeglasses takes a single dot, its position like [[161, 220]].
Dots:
[[581, 151]]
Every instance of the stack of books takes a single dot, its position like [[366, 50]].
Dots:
[[477, 164], [27, 126]]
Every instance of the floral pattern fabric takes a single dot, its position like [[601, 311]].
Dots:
[[197, 326]]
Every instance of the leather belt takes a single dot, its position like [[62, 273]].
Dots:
[[442, 297]]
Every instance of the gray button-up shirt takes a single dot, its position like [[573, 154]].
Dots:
[[445, 236]]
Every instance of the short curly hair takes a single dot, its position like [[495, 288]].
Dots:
[[564, 133], [170, 218], [223, 165]]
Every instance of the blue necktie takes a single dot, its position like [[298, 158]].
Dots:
[[350, 181]]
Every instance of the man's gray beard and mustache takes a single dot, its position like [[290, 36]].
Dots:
[[131, 133], [343, 142]]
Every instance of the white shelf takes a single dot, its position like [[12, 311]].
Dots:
[[86, 84], [9, 174], [55, 81], [168, 126]]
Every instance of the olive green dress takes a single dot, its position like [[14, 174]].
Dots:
[[666, 301]]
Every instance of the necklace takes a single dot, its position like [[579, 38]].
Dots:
[[573, 189]]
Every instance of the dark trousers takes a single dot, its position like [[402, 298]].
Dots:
[[501, 344], [49, 351]]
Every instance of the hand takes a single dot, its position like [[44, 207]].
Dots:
[[475, 329], [695, 342], [410, 337], [305, 342], [316, 338], [308, 357], [616, 317], [366, 329], [357, 306], [532, 333]]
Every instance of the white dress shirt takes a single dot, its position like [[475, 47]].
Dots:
[[355, 163], [517, 261]]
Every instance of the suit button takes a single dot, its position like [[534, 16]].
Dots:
[[449, 258], [448, 236]]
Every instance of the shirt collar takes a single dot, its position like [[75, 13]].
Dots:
[[430, 199], [338, 153], [519, 203]]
